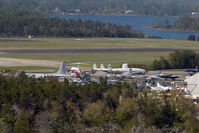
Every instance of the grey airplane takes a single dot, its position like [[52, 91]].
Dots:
[[167, 76], [160, 76], [60, 73], [192, 71], [153, 77], [139, 77]]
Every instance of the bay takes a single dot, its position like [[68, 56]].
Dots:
[[136, 22]]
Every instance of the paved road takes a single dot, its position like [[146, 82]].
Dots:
[[87, 50]]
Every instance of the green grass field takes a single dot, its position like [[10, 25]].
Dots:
[[90, 58], [103, 43]]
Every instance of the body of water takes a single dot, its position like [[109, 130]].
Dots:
[[137, 23]]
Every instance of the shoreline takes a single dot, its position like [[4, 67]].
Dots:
[[164, 29], [113, 15]]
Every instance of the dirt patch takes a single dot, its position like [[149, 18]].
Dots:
[[23, 62], [79, 39]]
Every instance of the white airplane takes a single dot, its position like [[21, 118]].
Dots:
[[125, 70], [77, 72], [127, 75], [122, 70], [164, 88], [60, 73], [102, 68], [158, 87]]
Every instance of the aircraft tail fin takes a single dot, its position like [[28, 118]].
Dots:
[[102, 66], [109, 67], [158, 73], [125, 65], [62, 68], [94, 66]]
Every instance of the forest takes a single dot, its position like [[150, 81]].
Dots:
[[184, 23], [14, 22], [29, 105], [180, 59], [114, 7], [177, 60]]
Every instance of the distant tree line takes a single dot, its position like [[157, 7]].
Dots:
[[16, 12], [187, 23], [193, 38], [25, 23], [46, 105], [184, 23], [177, 60], [138, 7], [165, 24]]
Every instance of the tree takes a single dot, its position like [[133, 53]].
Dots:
[[191, 38], [182, 59], [160, 64], [25, 124], [126, 109], [164, 63], [96, 114], [156, 65]]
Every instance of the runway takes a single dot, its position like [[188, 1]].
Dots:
[[87, 50]]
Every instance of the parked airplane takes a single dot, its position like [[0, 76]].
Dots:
[[154, 77], [160, 76], [131, 75], [125, 70], [139, 77], [102, 68], [192, 71], [122, 70], [164, 88], [95, 67], [167, 76], [158, 87], [60, 73]]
